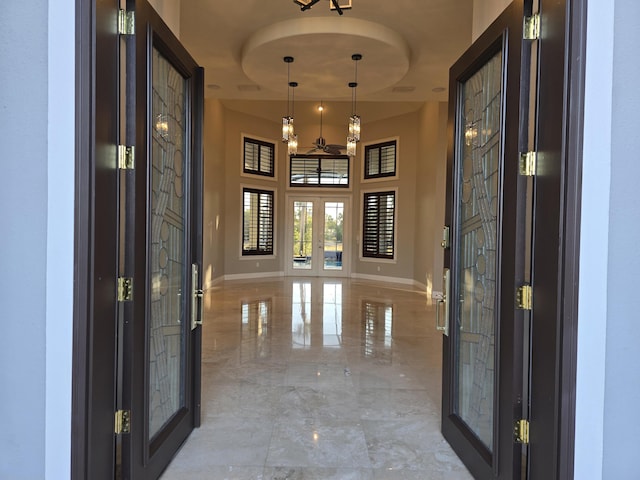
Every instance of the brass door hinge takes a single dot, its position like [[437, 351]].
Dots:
[[126, 157], [126, 22], [524, 297], [528, 163], [531, 27], [521, 431], [125, 289], [445, 237], [122, 422]]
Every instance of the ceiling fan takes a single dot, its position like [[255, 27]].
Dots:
[[307, 4], [321, 144]]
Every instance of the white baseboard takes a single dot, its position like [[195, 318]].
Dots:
[[381, 278], [249, 276]]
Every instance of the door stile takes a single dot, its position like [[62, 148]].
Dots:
[[125, 235], [501, 457]]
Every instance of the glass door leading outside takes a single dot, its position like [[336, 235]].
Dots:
[[316, 236]]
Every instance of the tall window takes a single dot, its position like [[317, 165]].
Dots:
[[257, 226], [379, 225], [259, 157], [380, 160]]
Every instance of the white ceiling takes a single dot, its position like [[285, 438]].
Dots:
[[407, 48]]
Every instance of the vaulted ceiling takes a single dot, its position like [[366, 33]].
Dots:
[[407, 47]]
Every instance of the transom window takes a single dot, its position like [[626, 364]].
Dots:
[[319, 171], [380, 160], [378, 229], [259, 157], [257, 225]]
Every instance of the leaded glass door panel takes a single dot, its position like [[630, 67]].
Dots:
[[482, 344], [160, 352]]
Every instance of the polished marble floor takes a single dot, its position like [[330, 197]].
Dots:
[[318, 379]]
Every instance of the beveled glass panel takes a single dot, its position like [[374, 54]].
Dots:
[[478, 170], [302, 235], [167, 244], [333, 229]]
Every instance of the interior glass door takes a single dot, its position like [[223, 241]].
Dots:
[[317, 236], [483, 340]]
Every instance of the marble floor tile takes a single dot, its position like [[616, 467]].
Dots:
[[308, 442], [346, 386], [300, 473]]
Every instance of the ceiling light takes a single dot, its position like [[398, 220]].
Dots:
[[292, 144], [287, 121], [353, 136]]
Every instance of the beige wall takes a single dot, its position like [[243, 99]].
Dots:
[[430, 196], [485, 12], [169, 10], [235, 125], [420, 186], [405, 127], [214, 191]]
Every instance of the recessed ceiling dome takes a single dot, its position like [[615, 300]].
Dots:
[[322, 49]]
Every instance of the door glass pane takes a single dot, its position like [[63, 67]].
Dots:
[[333, 226], [478, 183], [167, 245], [302, 235]]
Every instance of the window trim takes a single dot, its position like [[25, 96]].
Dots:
[[320, 187], [361, 255], [380, 178], [253, 256], [259, 140]]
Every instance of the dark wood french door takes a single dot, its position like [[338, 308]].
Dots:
[[484, 362], [161, 246]]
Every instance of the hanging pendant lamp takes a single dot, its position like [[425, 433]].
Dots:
[[292, 142], [353, 136], [287, 121]]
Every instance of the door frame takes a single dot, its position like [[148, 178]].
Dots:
[[561, 106], [290, 197], [556, 237]]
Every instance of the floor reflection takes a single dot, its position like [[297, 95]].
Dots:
[[318, 378], [377, 330], [301, 315]]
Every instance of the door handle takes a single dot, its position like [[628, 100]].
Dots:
[[196, 297], [444, 300]]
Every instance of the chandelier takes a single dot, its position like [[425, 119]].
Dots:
[[353, 137], [288, 133]]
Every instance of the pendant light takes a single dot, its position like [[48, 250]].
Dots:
[[287, 121], [292, 142], [354, 120]]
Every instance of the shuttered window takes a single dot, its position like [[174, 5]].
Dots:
[[259, 157], [380, 160], [257, 226], [379, 225], [330, 171]]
